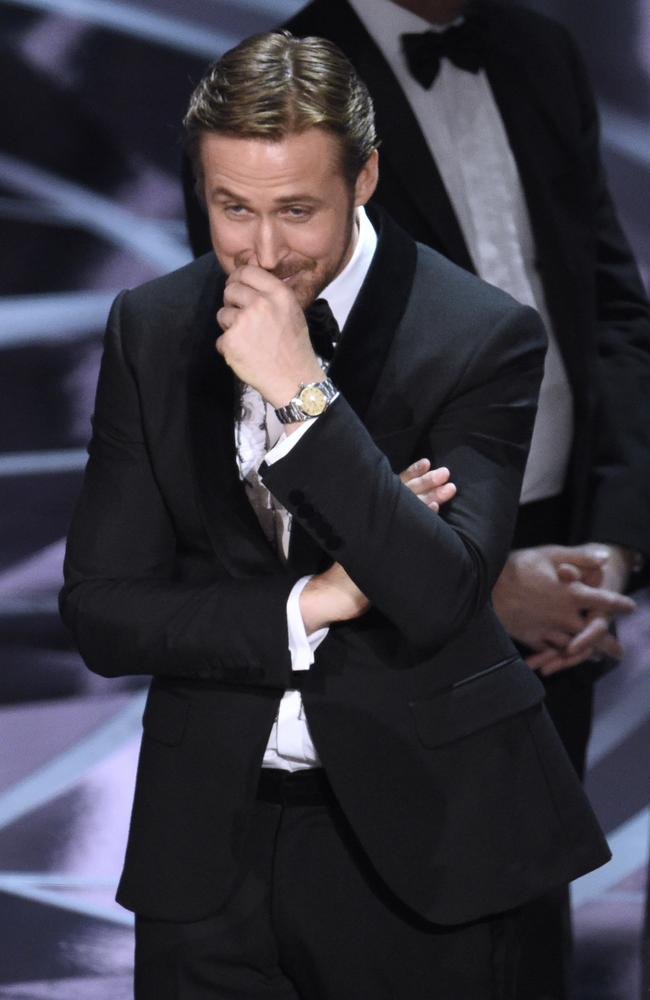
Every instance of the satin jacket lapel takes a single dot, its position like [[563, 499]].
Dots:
[[365, 342], [376, 314], [231, 523]]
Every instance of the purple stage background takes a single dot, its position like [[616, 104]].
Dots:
[[90, 203]]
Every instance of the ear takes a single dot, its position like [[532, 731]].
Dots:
[[366, 182]]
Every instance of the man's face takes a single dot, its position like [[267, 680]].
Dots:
[[284, 206]]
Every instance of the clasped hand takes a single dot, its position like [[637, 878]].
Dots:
[[560, 600]]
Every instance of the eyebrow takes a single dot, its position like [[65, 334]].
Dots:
[[225, 194], [302, 198]]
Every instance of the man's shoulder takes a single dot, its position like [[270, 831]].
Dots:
[[459, 323], [452, 289], [523, 29], [180, 288], [170, 311], [428, 284]]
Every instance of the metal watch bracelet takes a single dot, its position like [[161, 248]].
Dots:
[[311, 399]]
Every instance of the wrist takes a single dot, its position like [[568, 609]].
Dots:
[[329, 598], [621, 562], [282, 391], [313, 606], [309, 400], [631, 560]]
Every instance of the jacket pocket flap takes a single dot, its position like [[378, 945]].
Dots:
[[165, 717], [476, 702]]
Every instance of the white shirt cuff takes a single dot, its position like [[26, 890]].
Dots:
[[286, 442], [301, 646]]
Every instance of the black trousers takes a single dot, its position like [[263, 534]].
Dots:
[[310, 920], [545, 964]]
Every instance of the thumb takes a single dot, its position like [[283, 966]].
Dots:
[[567, 572]]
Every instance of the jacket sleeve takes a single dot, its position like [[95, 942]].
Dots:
[[341, 487], [619, 489], [122, 598]]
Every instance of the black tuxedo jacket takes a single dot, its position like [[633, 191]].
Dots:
[[596, 301], [429, 726]]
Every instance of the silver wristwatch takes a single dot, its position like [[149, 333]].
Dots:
[[311, 400]]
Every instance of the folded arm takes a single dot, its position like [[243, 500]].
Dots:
[[387, 541]]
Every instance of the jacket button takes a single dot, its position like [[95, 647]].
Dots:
[[304, 510], [296, 497]]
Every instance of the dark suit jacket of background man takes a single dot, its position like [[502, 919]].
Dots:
[[429, 726], [598, 308]]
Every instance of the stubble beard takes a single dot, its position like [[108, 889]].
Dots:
[[309, 292]]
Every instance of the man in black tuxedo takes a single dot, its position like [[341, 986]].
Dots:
[[489, 145], [347, 782]]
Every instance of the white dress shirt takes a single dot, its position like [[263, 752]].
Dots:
[[462, 126], [259, 436]]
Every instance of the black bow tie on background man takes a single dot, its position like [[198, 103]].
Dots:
[[324, 331], [462, 44]]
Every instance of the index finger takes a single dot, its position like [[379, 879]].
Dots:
[[595, 634], [581, 557], [415, 469], [599, 599], [255, 277]]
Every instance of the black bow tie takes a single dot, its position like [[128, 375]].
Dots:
[[324, 331], [462, 44]]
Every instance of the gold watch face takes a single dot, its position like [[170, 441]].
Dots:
[[312, 400]]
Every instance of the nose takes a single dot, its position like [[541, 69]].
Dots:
[[268, 244]]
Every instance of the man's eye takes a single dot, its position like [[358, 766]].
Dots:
[[297, 212], [235, 210]]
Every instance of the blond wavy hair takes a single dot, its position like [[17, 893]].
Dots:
[[273, 85]]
